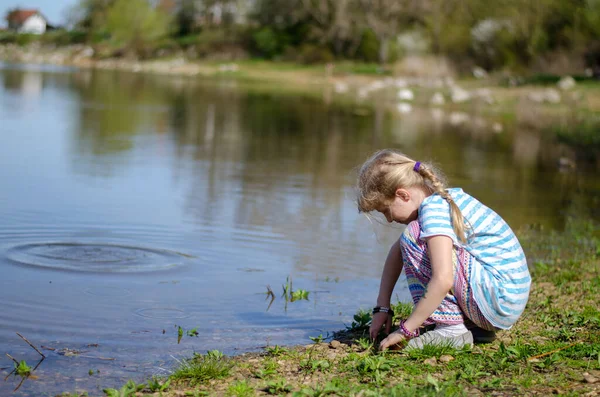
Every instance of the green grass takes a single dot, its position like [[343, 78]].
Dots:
[[201, 368]]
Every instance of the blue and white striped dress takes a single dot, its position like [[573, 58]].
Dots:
[[499, 274]]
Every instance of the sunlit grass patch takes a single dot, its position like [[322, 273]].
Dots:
[[240, 388], [201, 368]]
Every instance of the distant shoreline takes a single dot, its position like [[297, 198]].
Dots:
[[532, 106]]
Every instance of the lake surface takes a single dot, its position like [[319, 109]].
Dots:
[[133, 204]]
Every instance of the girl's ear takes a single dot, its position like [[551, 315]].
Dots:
[[403, 194]]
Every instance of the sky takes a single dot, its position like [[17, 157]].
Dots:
[[53, 10]]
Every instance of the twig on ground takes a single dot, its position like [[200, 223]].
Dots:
[[551, 352]]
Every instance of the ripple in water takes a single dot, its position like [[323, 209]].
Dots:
[[94, 257], [162, 313], [108, 292]]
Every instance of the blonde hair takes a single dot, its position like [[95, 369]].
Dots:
[[388, 170]]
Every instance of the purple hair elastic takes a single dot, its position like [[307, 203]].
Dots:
[[417, 166]]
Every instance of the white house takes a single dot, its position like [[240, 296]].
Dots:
[[27, 21]]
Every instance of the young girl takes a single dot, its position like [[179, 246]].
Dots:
[[465, 268]]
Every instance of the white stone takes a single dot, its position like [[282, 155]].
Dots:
[[458, 118], [406, 95], [566, 83], [362, 93], [404, 107], [552, 96], [479, 73], [485, 95], [437, 99], [401, 83], [437, 114], [87, 52], [376, 85], [460, 95], [341, 88], [230, 67], [497, 128]]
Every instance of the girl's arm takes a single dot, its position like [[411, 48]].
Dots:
[[389, 277], [442, 280]]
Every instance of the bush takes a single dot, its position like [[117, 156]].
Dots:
[[24, 39], [64, 37], [8, 37], [368, 50], [266, 42], [311, 54]]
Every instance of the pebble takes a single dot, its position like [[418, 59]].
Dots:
[[446, 358], [590, 378], [431, 361], [335, 344]]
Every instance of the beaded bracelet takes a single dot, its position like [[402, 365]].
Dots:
[[406, 332], [383, 309]]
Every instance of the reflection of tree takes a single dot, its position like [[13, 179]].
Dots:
[[26, 83], [272, 171], [114, 107]]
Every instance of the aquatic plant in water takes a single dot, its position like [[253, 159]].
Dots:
[[22, 369]]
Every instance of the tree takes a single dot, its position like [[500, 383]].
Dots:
[[90, 15], [384, 17], [334, 21], [136, 25]]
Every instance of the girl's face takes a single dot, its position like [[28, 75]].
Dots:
[[404, 207]]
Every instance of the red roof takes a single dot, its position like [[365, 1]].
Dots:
[[20, 16]]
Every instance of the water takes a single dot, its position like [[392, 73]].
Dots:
[[134, 204]]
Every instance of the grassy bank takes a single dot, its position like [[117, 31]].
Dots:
[[553, 349]]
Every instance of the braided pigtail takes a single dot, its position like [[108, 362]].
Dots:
[[437, 186]]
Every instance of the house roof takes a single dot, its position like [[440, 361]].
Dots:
[[20, 16]]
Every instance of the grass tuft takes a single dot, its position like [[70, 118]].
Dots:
[[201, 368]]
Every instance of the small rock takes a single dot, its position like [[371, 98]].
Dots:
[[590, 378], [550, 95], [566, 163], [479, 73], [566, 83], [341, 88], [460, 95], [557, 391], [446, 358], [362, 93], [497, 128], [400, 83], [437, 99], [376, 85], [406, 95], [335, 344], [431, 361], [458, 118], [404, 107]]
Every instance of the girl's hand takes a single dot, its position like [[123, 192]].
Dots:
[[379, 319], [393, 339]]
